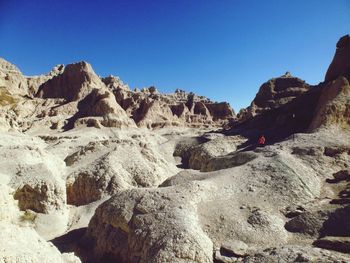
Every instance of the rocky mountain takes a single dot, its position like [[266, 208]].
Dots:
[[92, 171]]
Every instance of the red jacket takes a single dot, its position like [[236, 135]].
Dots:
[[261, 140]]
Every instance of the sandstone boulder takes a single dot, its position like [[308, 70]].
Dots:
[[235, 248]]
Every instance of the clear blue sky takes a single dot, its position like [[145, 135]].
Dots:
[[223, 49]]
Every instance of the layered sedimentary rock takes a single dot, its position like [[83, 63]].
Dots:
[[66, 97], [273, 94], [15, 83], [96, 104], [74, 95], [149, 108]]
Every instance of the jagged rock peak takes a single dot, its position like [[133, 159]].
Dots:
[[56, 70], [114, 82], [76, 81], [287, 75], [78, 96], [340, 65]]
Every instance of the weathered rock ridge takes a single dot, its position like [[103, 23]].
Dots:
[[273, 94], [150, 108], [73, 95]]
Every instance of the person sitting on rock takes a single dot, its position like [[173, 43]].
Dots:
[[261, 141]]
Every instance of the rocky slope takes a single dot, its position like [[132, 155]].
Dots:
[[82, 174]]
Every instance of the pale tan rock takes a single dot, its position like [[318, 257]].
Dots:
[[235, 248], [226, 208], [154, 115], [11, 79], [34, 82], [151, 109], [118, 165], [333, 105], [197, 153], [101, 103], [19, 241], [163, 230], [36, 175]]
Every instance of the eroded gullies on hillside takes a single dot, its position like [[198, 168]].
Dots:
[[82, 159]]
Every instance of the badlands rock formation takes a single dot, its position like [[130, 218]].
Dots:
[[273, 94], [84, 180], [151, 109], [73, 95]]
